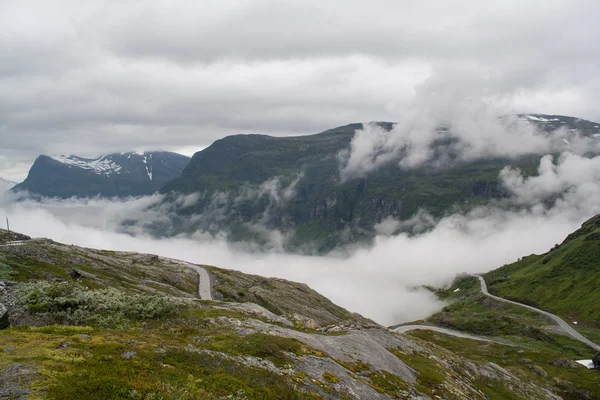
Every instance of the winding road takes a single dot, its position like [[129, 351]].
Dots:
[[203, 278], [565, 326], [204, 291], [452, 332]]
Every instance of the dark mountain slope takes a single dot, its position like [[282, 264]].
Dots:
[[114, 175], [293, 184]]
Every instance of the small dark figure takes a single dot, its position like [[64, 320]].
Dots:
[[596, 361]]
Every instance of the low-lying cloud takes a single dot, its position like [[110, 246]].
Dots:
[[382, 281], [456, 115]]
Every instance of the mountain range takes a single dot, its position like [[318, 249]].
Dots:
[[247, 183], [246, 187], [113, 175]]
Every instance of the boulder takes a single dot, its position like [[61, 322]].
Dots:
[[4, 322], [77, 274]]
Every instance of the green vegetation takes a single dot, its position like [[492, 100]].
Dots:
[[122, 325], [545, 366], [471, 311], [564, 281], [329, 377], [70, 303], [270, 347], [384, 382], [430, 373], [324, 211], [98, 368]]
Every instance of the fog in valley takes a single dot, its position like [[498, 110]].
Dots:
[[89, 78], [383, 281]]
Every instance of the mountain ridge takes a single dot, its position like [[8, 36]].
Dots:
[[292, 184], [112, 175]]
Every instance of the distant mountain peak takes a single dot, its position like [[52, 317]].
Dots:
[[101, 165], [118, 174]]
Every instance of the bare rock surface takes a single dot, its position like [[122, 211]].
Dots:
[[371, 344], [4, 321], [14, 381], [258, 311], [314, 367]]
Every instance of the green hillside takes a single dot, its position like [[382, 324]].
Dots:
[[99, 324], [320, 210], [564, 280]]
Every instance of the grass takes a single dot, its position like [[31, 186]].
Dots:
[[101, 269], [270, 347], [384, 382], [572, 383], [563, 281], [430, 374], [471, 311], [169, 362], [175, 374], [329, 377]]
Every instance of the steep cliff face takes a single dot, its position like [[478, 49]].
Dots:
[[294, 185], [114, 175]]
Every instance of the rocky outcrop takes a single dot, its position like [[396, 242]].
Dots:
[[4, 321]]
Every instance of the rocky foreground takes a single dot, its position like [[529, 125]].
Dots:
[[99, 324]]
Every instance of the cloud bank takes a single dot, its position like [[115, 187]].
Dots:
[[96, 77], [382, 281], [454, 117]]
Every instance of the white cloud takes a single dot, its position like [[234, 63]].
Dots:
[[378, 281], [96, 77]]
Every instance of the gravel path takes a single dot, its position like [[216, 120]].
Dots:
[[203, 278], [567, 328], [407, 328]]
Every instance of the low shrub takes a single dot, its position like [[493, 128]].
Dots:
[[71, 303]]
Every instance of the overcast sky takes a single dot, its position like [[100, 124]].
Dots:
[[91, 77]]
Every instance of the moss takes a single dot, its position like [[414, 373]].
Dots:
[[95, 369], [495, 390], [385, 382], [259, 345], [356, 366], [177, 374], [565, 381], [428, 369], [329, 377]]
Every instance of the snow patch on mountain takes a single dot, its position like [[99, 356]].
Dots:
[[101, 166], [148, 168], [541, 119]]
